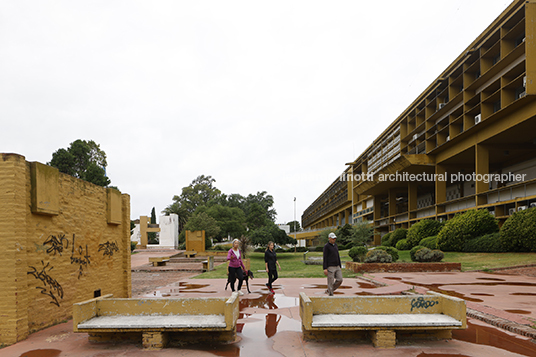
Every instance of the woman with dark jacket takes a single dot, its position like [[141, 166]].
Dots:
[[270, 258]]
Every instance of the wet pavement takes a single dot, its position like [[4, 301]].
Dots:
[[269, 325]]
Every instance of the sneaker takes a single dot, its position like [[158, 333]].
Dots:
[[240, 293], [272, 291], [267, 285]]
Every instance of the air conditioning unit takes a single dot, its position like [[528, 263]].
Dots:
[[525, 81], [448, 138], [478, 118], [511, 211], [415, 136], [533, 205], [521, 208], [441, 105], [492, 213]]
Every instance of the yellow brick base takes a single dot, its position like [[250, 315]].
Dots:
[[383, 338], [154, 340]]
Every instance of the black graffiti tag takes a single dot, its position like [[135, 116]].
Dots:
[[51, 286], [57, 244], [82, 259], [108, 248], [420, 303]]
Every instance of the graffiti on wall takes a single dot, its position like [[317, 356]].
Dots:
[[81, 257], [57, 243], [51, 286], [108, 248]]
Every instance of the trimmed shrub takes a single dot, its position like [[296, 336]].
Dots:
[[358, 253], [462, 227], [430, 242], [133, 245], [300, 249], [386, 240], [423, 229], [320, 248], [393, 252], [378, 256], [398, 235], [403, 245], [489, 243], [425, 255], [518, 233], [413, 251]]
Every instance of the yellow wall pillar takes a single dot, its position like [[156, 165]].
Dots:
[[13, 260], [440, 188], [481, 168], [392, 202], [412, 196], [143, 232], [530, 47]]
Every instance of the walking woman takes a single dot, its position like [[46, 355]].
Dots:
[[270, 258], [234, 256]]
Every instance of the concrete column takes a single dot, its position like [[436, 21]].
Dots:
[[481, 168], [392, 202], [412, 196]]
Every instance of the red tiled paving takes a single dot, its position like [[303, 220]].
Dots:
[[269, 325]]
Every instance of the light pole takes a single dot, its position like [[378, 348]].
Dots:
[[295, 244], [352, 190]]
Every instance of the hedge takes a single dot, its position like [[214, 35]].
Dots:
[[403, 245], [430, 242], [518, 233], [423, 229], [461, 227], [393, 252], [398, 235], [488, 243], [378, 256]]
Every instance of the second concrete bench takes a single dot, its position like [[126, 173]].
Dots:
[[381, 316]]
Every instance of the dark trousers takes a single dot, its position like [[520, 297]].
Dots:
[[235, 273], [272, 276]]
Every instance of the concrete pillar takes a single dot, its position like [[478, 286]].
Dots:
[[392, 202], [481, 168]]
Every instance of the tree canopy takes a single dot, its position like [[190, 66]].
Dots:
[[84, 160], [234, 215]]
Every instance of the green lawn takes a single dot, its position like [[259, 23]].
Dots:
[[293, 267]]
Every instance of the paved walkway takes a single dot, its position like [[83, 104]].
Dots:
[[269, 325]]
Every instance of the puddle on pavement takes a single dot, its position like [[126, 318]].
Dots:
[[482, 294], [364, 285], [41, 353], [269, 301], [183, 288], [424, 354], [521, 312], [492, 336], [524, 294]]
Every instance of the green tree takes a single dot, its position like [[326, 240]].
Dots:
[[294, 226], [361, 233], [203, 222], [84, 160], [151, 236], [200, 192], [270, 232], [231, 220], [256, 217]]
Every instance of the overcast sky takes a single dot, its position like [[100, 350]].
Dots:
[[269, 96]]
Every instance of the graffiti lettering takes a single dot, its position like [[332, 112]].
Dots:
[[421, 303], [82, 259], [51, 286], [108, 248], [57, 243]]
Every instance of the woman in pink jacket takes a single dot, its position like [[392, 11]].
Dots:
[[234, 256]]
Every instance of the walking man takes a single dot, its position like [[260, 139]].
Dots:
[[332, 264]]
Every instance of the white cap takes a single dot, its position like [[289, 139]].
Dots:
[[332, 235]]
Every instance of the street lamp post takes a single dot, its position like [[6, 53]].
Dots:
[[295, 244]]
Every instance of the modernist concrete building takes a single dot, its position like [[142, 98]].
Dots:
[[468, 141]]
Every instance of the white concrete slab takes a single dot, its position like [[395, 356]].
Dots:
[[154, 321], [377, 320]]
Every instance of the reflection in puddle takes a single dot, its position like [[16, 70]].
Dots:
[[482, 294], [183, 288], [494, 279], [364, 285], [524, 294]]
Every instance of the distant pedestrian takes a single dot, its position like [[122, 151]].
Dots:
[[236, 266], [332, 264], [270, 259]]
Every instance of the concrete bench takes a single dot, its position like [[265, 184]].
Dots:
[[190, 253], [157, 321], [381, 317], [158, 261], [208, 264]]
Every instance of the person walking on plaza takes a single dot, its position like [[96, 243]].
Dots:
[[332, 264], [270, 259], [236, 266]]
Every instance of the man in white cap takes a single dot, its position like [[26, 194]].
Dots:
[[332, 264]]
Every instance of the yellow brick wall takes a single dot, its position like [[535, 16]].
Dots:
[[51, 260]]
